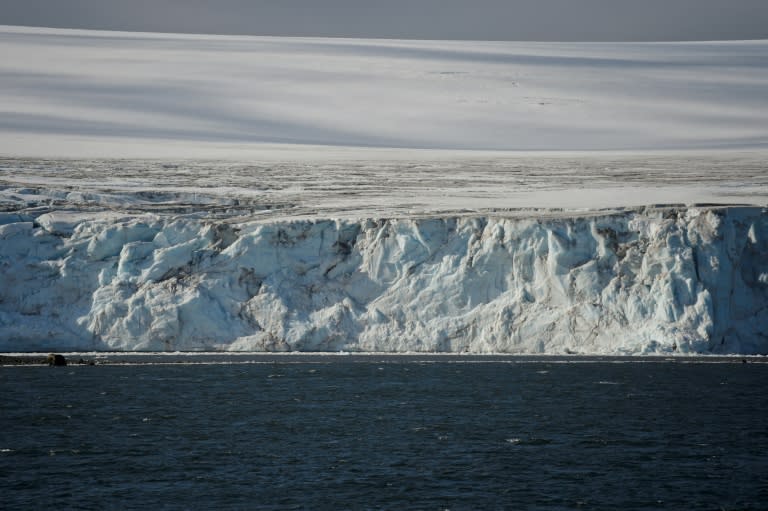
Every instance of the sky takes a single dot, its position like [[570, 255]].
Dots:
[[510, 20]]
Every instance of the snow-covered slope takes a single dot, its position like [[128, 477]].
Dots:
[[690, 280], [78, 93]]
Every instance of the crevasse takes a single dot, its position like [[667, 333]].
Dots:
[[650, 280]]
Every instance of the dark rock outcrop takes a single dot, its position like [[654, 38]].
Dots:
[[54, 359]]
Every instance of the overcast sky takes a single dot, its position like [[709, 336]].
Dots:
[[553, 20]]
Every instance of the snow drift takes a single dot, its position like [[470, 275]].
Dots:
[[81, 93], [685, 280]]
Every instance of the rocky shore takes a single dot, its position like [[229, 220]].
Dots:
[[50, 359]]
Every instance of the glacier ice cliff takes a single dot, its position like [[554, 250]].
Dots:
[[646, 280]]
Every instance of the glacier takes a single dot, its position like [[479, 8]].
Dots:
[[264, 193], [634, 281]]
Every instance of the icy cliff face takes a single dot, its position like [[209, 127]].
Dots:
[[641, 281]]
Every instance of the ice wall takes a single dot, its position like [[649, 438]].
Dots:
[[685, 280]]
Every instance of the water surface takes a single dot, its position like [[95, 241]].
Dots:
[[386, 433]]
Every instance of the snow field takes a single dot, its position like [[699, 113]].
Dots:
[[81, 94]]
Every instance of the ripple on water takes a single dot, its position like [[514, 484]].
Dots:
[[351, 436]]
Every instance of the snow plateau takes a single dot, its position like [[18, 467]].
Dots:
[[84, 93]]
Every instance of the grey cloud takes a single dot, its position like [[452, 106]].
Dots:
[[563, 20]]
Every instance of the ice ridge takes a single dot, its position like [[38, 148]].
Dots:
[[650, 280]]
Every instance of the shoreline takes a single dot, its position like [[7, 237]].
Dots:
[[37, 359]]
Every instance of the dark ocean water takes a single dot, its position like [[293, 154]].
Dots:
[[386, 433]]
